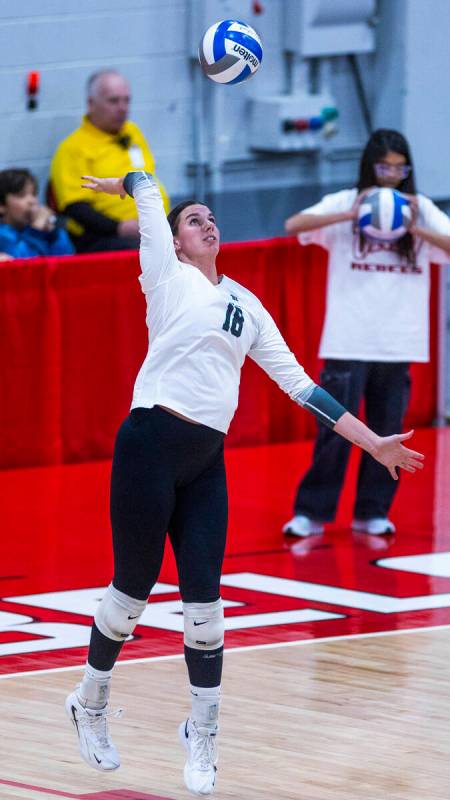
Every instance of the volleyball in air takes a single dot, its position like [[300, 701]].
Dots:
[[384, 215], [230, 52]]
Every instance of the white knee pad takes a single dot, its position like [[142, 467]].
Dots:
[[118, 614], [203, 625]]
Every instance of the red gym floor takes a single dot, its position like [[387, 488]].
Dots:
[[56, 560]]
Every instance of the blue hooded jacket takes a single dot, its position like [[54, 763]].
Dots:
[[28, 242]]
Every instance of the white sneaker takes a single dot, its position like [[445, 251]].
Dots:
[[376, 526], [303, 526], [91, 726], [200, 744]]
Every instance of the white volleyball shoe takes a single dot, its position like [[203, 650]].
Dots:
[[376, 526], [91, 725], [200, 744], [303, 526]]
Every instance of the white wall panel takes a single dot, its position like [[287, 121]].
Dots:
[[46, 40]]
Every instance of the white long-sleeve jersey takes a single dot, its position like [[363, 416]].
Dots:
[[199, 333]]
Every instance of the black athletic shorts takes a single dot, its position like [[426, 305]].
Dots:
[[168, 475]]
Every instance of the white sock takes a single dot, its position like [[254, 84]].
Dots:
[[95, 687], [205, 706]]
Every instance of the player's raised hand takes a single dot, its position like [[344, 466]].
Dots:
[[107, 185], [393, 454]]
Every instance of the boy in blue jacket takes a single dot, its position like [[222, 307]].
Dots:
[[27, 228]]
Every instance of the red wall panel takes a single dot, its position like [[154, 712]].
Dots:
[[73, 335]]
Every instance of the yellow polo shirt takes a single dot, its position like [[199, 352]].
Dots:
[[91, 151]]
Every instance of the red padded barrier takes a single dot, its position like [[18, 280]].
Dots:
[[72, 337], [30, 358]]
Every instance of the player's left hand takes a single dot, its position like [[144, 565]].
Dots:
[[107, 185], [393, 454], [414, 206]]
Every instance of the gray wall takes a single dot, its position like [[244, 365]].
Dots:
[[67, 40], [153, 43]]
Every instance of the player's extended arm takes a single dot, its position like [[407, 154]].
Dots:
[[272, 354], [388, 450], [157, 254], [300, 223], [305, 221]]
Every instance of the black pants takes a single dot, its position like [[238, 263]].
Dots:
[[168, 475], [385, 389]]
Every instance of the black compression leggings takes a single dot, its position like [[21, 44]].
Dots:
[[168, 475]]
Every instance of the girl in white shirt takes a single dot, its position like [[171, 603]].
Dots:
[[168, 470], [376, 323]]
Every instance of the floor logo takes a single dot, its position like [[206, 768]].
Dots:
[[54, 627]]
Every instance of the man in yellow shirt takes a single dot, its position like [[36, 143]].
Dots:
[[106, 143]]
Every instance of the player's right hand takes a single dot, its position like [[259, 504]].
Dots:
[[354, 211], [107, 185]]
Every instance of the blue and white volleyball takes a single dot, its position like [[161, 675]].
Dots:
[[384, 215], [230, 52]]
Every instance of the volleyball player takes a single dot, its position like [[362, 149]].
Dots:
[[168, 469], [376, 325]]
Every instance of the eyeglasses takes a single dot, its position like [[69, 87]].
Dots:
[[383, 170]]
